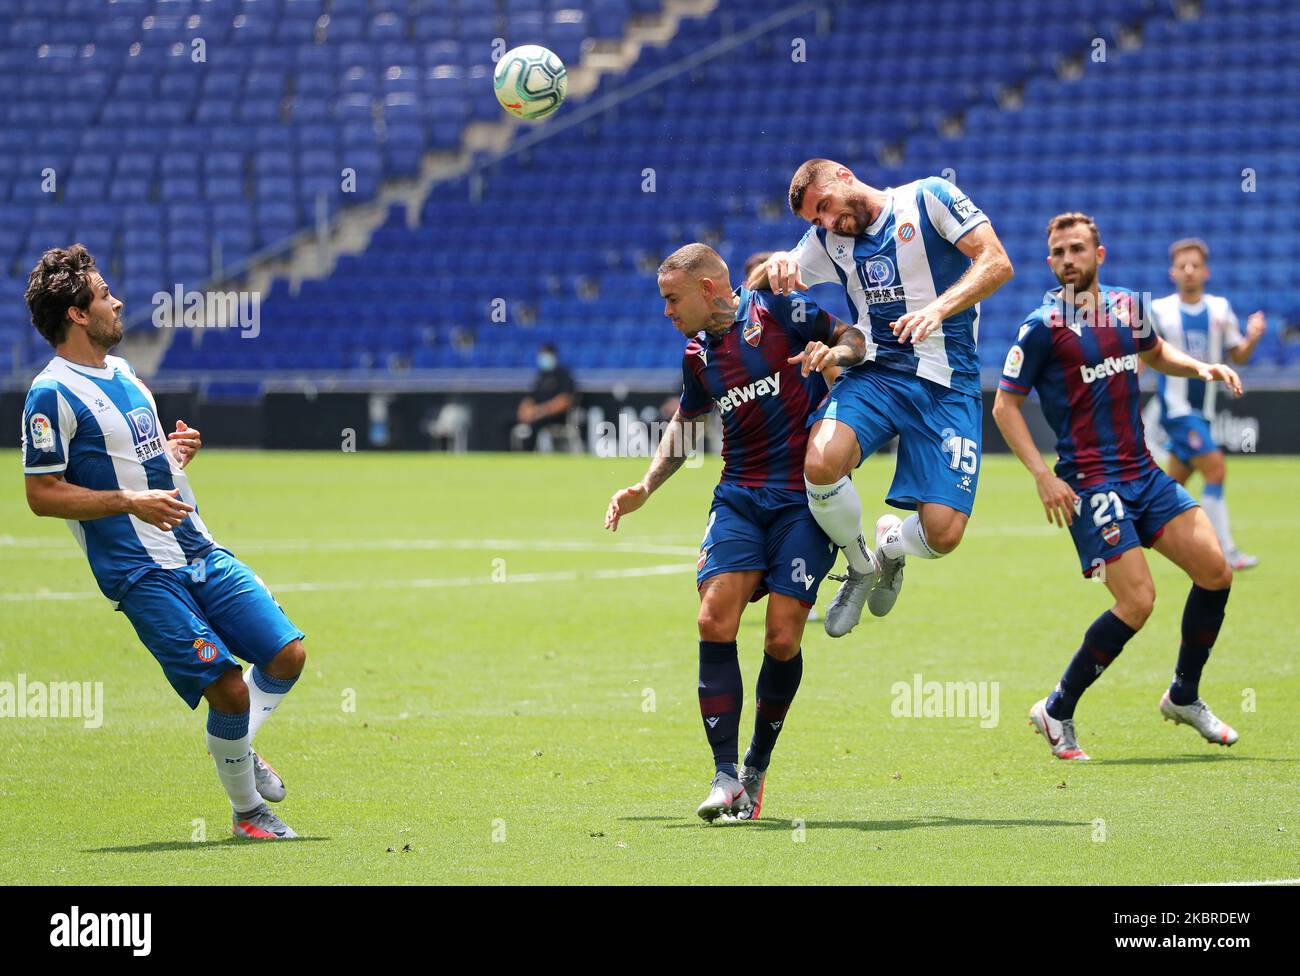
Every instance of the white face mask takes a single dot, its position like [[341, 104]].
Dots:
[[546, 361]]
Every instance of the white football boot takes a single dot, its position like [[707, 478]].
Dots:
[[846, 608], [726, 796], [1199, 717], [884, 593], [1058, 733], [752, 780]]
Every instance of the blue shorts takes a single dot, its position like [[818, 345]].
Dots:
[[1189, 437], [1116, 516], [197, 620], [938, 432], [770, 529]]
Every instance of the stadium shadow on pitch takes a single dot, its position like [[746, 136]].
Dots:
[[191, 845], [910, 823]]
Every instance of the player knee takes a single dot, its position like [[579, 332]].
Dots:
[[1136, 605], [944, 534], [1218, 578], [781, 644], [228, 693], [716, 627], [820, 469], [289, 662]]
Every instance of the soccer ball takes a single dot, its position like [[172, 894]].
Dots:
[[530, 81]]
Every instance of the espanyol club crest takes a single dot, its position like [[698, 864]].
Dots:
[[753, 333], [206, 650], [1111, 534], [907, 232]]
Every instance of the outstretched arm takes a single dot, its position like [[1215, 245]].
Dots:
[[670, 455], [1164, 358]]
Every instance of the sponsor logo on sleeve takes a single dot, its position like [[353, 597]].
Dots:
[[1015, 359], [964, 208], [42, 432]]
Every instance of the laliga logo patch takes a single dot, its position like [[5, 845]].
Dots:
[[42, 432], [753, 333], [880, 272], [1111, 534], [907, 232], [206, 650]]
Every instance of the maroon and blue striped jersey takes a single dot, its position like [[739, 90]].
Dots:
[[1085, 369], [764, 401]]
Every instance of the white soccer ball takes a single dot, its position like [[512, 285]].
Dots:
[[530, 81]]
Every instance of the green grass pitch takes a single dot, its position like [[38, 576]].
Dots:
[[499, 691]]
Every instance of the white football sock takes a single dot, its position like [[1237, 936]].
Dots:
[[908, 540], [1216, 509], [232, 753], [839, 512], [264, 696]]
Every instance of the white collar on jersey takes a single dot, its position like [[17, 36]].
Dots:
[[105, 372], [881, 217]]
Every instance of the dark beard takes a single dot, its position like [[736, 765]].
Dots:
[[1082, 283]]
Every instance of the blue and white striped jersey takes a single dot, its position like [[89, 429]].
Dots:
[[1205, 331], [900, 263], [99, 428]]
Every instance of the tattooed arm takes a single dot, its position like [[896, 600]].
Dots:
[[671, 454], [849, 349]]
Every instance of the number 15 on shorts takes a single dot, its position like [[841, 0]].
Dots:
[[963, 453]]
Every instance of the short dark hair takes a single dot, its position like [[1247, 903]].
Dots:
[[809, 172], [1190, 244], [1063, 220], [755, 260], [60, 281]]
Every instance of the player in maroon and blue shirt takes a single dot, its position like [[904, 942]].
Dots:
[[758, 358], [1080, 351]]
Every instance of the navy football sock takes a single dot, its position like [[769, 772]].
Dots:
[[1202, 618], [777, 683], [1101, 645], [721, 692]]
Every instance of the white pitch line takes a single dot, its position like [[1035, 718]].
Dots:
[[328, 586], [399, 545], [1239, 884]]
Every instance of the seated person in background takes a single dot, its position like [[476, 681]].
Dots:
[[548, 403]]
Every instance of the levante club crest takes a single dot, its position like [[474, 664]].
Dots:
[[753, 333]]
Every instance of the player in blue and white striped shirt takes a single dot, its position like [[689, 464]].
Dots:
[[1204, 326], [95, 454], [914, 261]]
